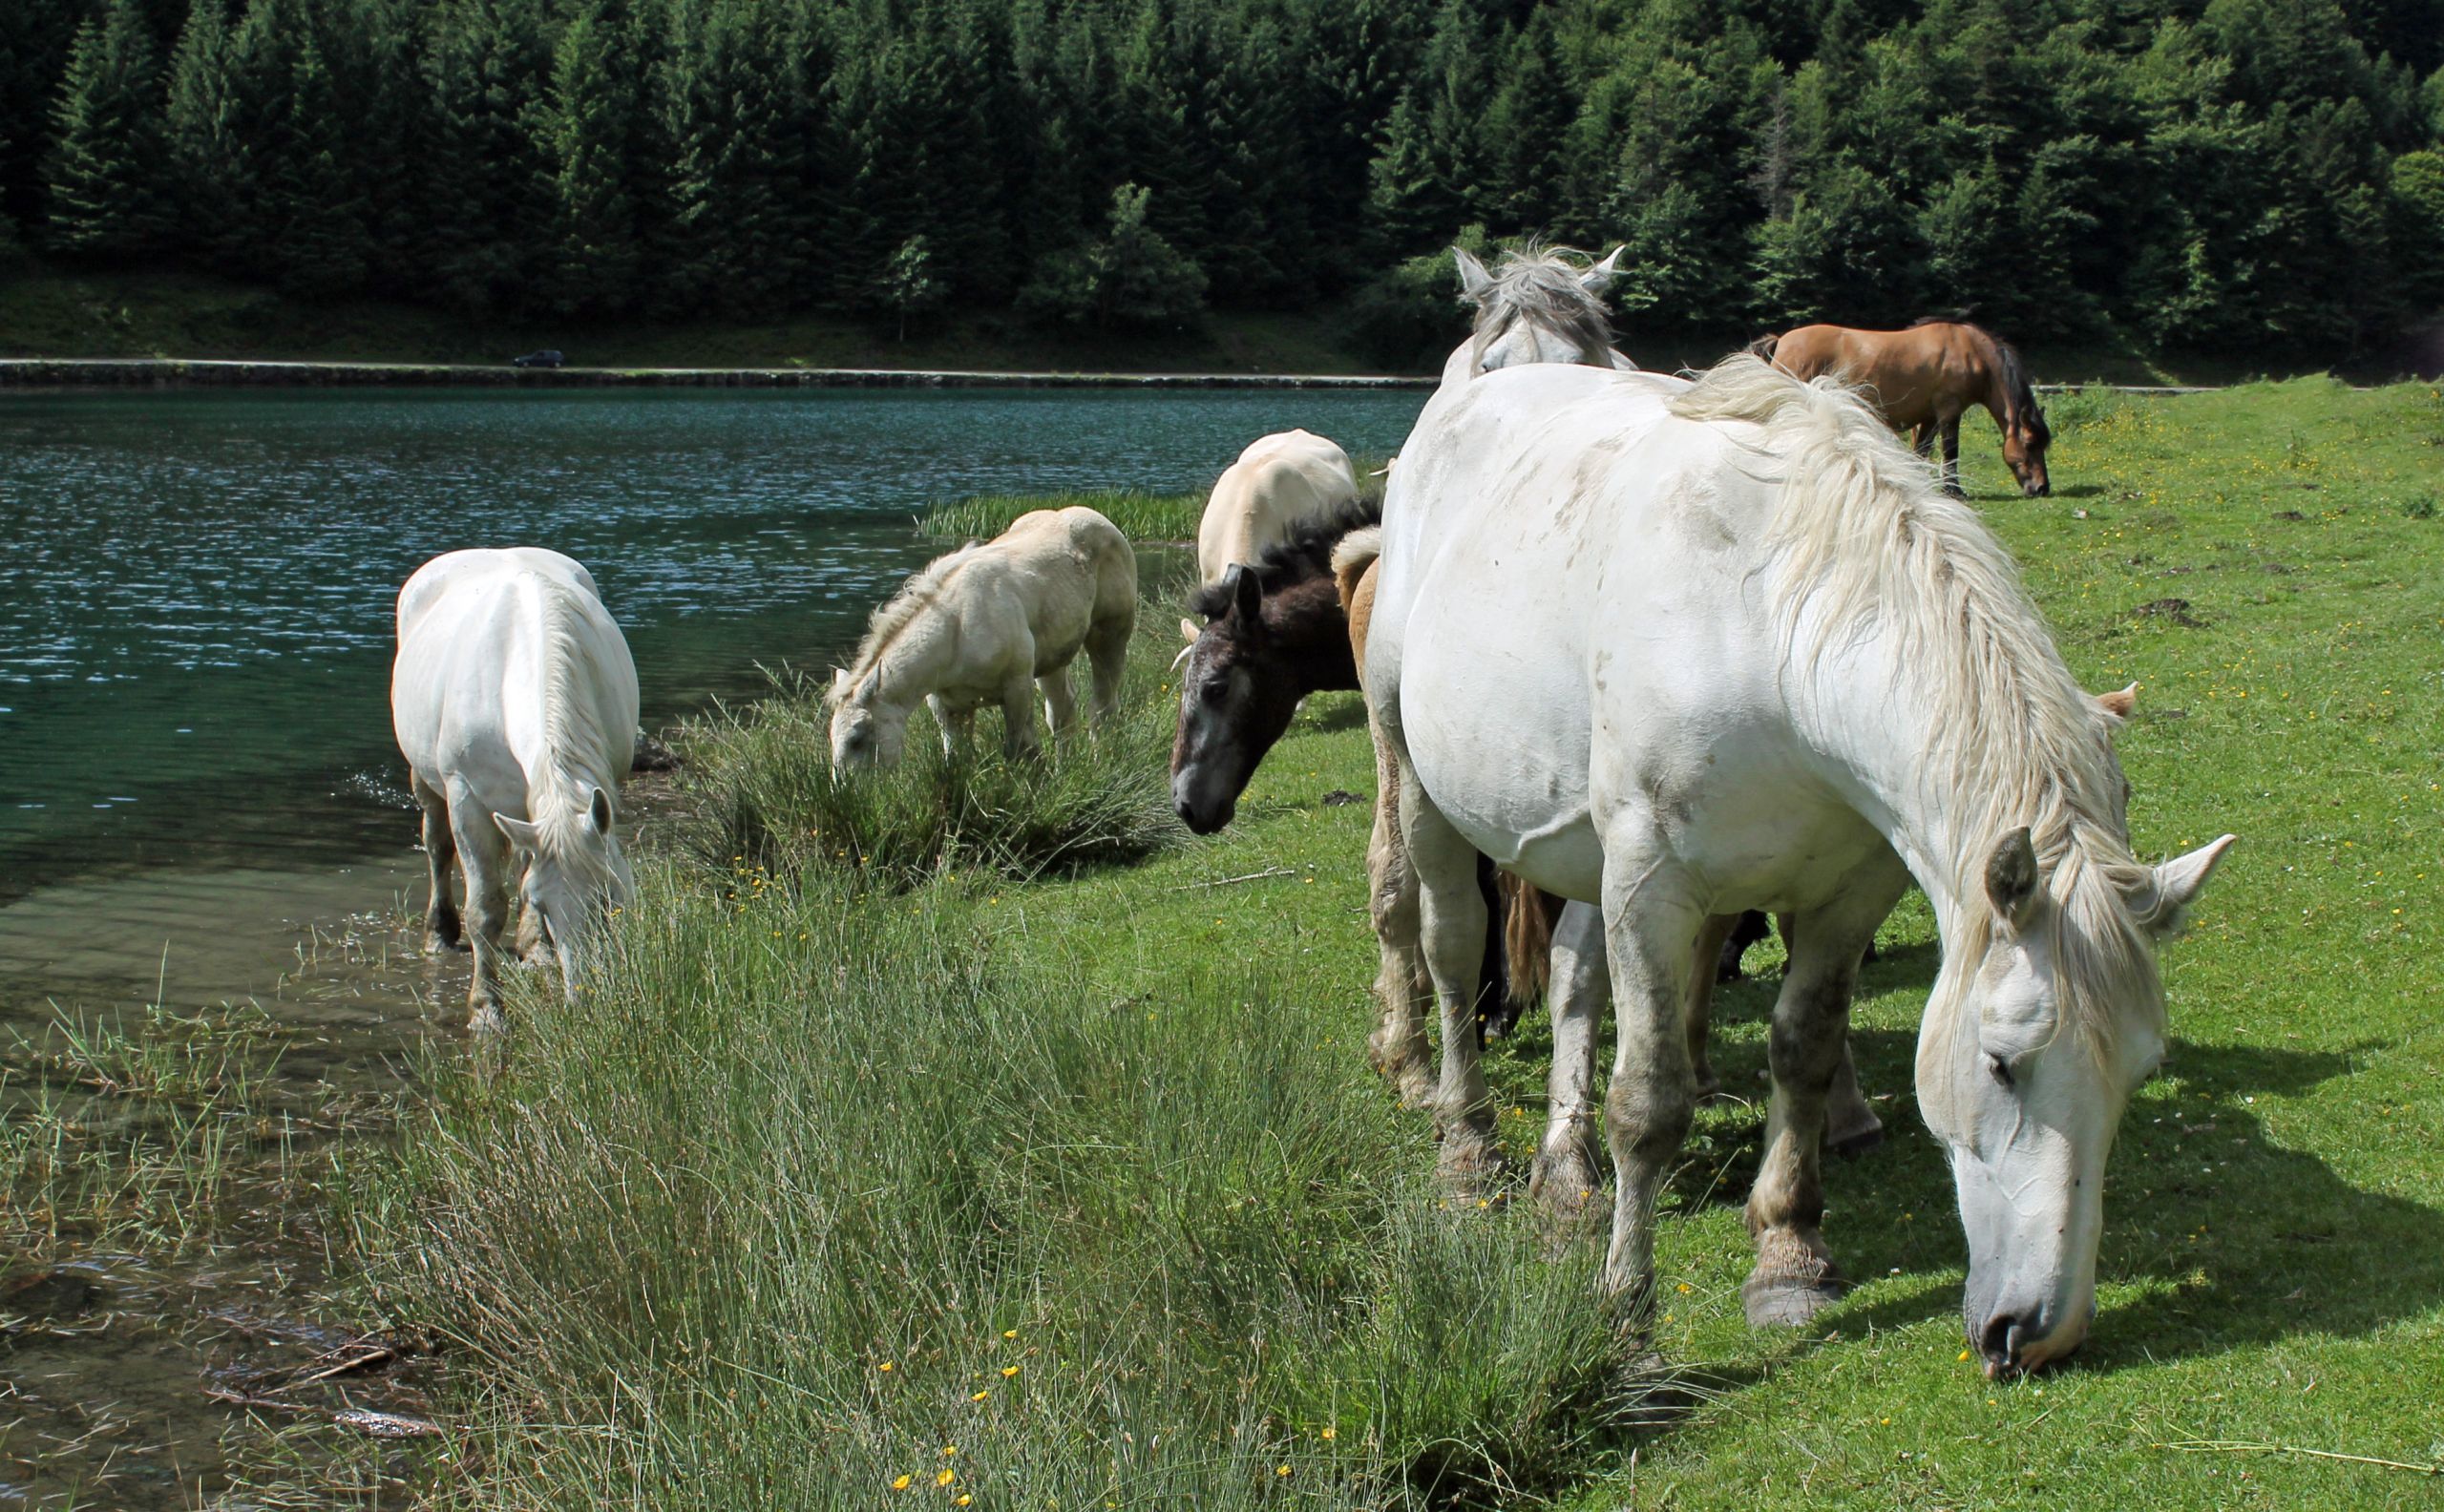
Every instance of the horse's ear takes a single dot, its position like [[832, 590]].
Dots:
[[2119, 703], [1246, 593], [599, 811], [2010, 878], [521, 834], [1187, 630], [839, 683], [1475, 283], [1599, 278], [2178, 884]]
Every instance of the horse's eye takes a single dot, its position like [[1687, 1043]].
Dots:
[[1216, 690], [1999, 1069]]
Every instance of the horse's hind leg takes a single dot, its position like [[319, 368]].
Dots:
[[484, 852], [1397, 1047], [1108, 657], [441, 932], [1951, 457], [1566, 1173], [1795, 1277], [1451, 918], [1700, 1021]]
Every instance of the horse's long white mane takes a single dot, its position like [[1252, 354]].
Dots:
[[562, 794], [896, 613], [1542, 286], [1863, 536]]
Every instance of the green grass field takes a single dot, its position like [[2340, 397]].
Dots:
[[1076, 1191]]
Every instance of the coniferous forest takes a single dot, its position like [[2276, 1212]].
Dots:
[[2208, 175]]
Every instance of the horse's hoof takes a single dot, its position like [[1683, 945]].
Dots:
[[486, 1022], [1567, 1189], [1789, 1301], [1471, 1165], [1856, 1142], [436, 943]]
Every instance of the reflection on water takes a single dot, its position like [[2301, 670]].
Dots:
[[195, 589]]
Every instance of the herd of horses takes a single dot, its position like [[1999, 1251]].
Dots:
[[1643, 656]]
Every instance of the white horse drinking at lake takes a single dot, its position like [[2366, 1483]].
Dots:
[[1686, 650], [515, 702], [990, 623]]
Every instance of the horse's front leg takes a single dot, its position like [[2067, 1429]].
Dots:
[[1018, 719], [441, 932], [1398, 1048], [1451, 918], [1795, 1277], [484, 853], [957, 722], [1567, 1174], [1652, 920]]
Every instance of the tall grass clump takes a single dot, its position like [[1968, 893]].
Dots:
[[764, 790], [1140, 517], [823, 1198]]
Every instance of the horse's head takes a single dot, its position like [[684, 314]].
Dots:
[[1233, 703], [2025, 439], [2032, 1048], [1539, 308], [575, 876], [866, 731]]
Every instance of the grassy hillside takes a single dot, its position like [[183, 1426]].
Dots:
[[1012, 1188]]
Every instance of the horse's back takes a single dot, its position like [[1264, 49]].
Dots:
[[1908, 376], [1279, 482], [1040, 587], [480, 633]]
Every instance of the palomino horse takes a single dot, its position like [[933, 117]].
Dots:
[[1923, 379], [515, 702], [1766, 663], [989, 623], [1281, 483]]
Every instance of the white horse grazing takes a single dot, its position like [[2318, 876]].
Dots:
[[1280, 482], [1688, 650], [985, 626], [515, 703], [1540, 307]]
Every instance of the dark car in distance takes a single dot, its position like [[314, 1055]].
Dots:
[[540, 359]]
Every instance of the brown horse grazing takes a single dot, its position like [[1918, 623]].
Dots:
[[1923, 379]]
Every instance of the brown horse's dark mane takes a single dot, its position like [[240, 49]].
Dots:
[[1305, 556], [2019, 392]]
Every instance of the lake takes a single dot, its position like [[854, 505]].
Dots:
[[199, 797]]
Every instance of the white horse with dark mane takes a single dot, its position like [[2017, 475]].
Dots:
[[990, 623], [1766, 663], [515, 702]]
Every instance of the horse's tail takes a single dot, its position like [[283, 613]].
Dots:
[[1764, 346], [1529, 914], [1352, 555]]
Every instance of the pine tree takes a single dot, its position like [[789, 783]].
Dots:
[[585, 126], [201, 154], [104, 172]]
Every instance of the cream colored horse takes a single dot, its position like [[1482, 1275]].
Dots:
[[515, 702], [989, 623], [1770, 666]]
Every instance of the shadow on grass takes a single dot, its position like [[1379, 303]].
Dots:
[[2228, 1239]]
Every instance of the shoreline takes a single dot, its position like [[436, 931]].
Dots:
[[175, 372], [33, 373]]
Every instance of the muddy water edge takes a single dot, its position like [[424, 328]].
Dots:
[[210, 994]]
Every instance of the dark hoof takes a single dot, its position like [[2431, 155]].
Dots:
[[1472, 1165], [1788, 1301], [440, 941], [1856, 1143]]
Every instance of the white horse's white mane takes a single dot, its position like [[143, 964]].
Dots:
[[563, 794], [1865, 534], [900, 610]]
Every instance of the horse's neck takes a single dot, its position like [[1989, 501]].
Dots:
[[564, 773], [1306, 623], [912, 666]]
